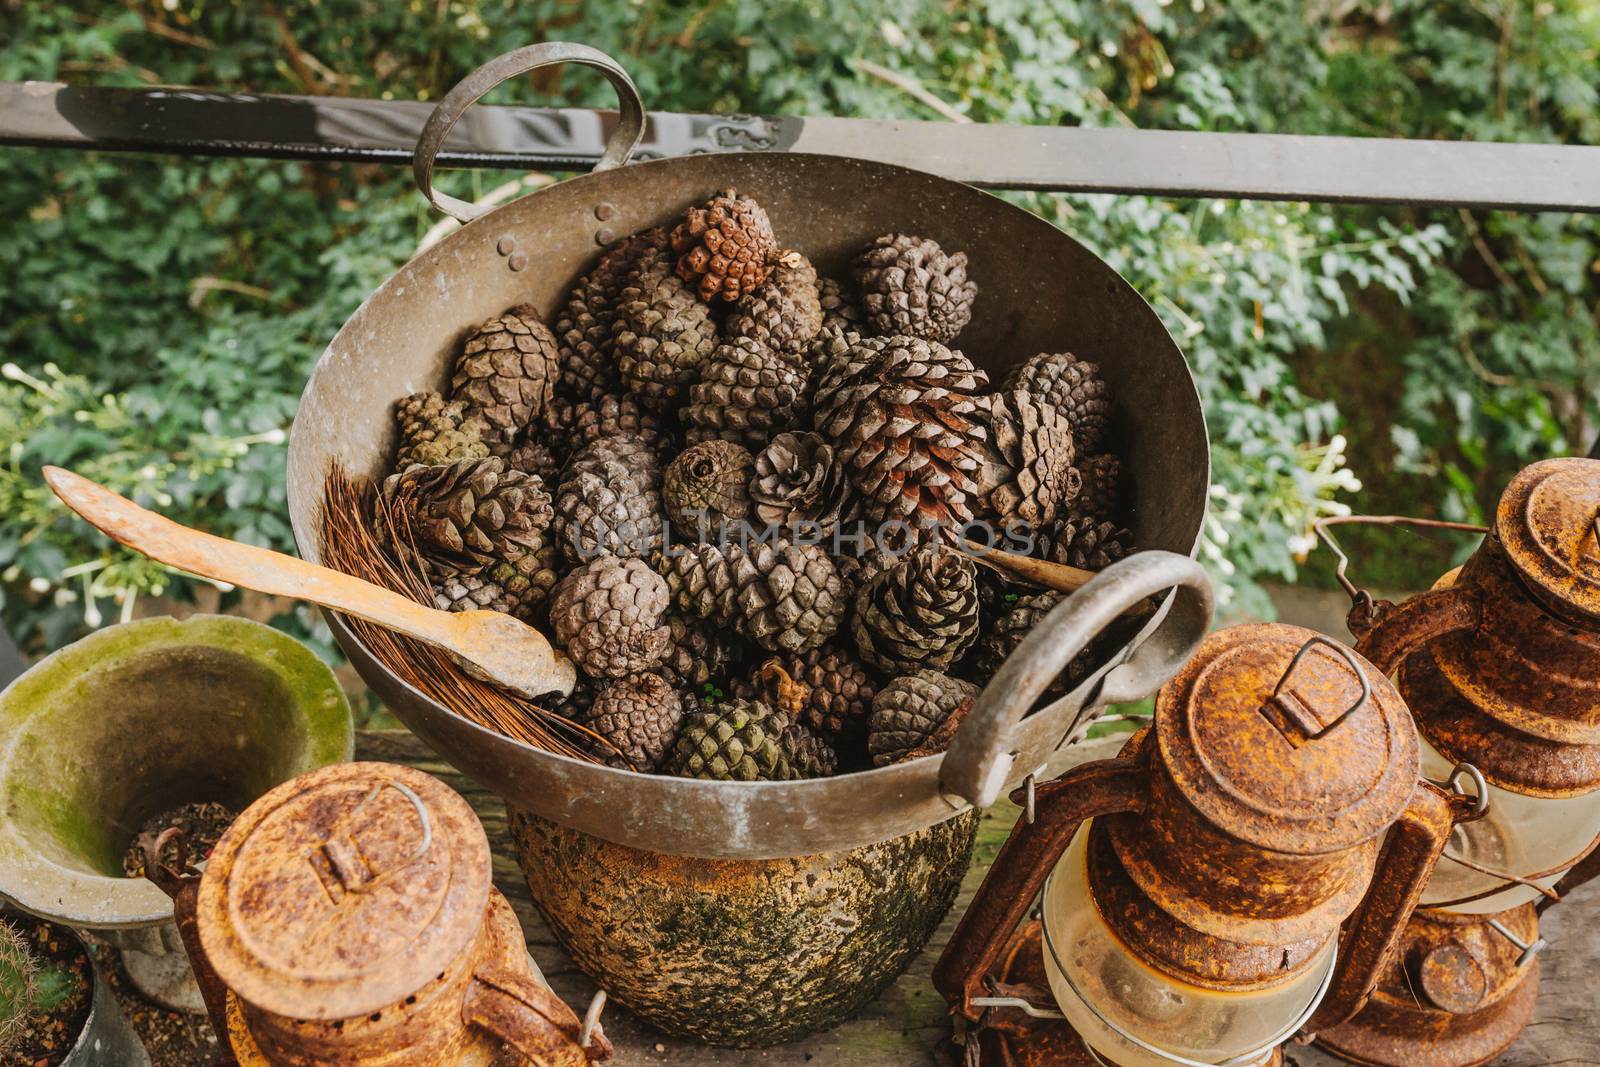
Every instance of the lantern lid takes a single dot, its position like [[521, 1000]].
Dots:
[[1549, 522], [344, 891], [1288, 740]]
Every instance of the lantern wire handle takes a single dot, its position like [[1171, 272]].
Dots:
[[1350, 660], [1361, 596]]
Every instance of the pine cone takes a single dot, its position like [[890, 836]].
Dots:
[[783, 596], [707, 488], [640, 715], [435, 432], [1073, 387], [533, 458], [699, 654], [583, 326], [1089, 545], [470, 515], [784, 313], [453, 591], [725, 247], [835, 692], [569, 427], [923, 612], [909, 713], [1029, 477], [507, 370], [811, 756], [1100, 499], [735, 741], [910, 286], [839, 308], [901, 416], [663, 333], [796, 479], [746, 393], [605, 507], [608, 616], [1013, 620], [627, 450]]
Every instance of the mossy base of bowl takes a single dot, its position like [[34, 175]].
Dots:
[[745, 953]]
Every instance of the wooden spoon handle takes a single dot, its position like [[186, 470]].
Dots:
[[244, 565], [1041, 572]]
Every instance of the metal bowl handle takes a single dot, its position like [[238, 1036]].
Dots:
[[469, 90], [978, 762]]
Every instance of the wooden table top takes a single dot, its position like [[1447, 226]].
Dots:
[[907, 1024]]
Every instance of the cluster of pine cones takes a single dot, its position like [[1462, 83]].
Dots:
[[680, 475]]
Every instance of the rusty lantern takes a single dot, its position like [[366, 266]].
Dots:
[[1197, 918], [1500, 665], [350, 918]]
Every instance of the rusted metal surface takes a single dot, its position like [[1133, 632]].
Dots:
[[1234, 836], [1260, 779], [743, 952], [507, 652], [1373, 931], [1523, 664], [1453, 996], [1508, 758], [405, 336], [351, 916], [1024, 862], [1549, 522]]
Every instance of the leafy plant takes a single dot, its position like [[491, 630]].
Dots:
[[162, 314]]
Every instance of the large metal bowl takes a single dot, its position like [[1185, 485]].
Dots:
[[1039, 290]]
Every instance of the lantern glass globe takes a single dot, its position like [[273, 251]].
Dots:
[[1134, 1015], [1520, 834]]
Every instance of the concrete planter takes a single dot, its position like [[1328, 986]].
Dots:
[[132, 721]]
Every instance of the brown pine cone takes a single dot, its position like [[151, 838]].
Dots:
[[784, 313], [1073, 387], [436, 432], [910, 286], [699, 654], [507, 370], [706, 489], [725, 247], [902, 418], [909, 715], [608, 616], [1089, 545], [470, 515], [1029, 476], [583, 325], [796, 479], [783, 596], [1100, 499], [639, 715], [922, 612], [533, 458], [569, 427], [834, 691], [811, 755], [746, 393], [608, 502], [839, 308], [663, 333]]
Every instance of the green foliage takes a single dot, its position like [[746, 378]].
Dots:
[[161, 315]]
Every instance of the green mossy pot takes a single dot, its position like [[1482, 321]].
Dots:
[[744, 953], [132, 721]]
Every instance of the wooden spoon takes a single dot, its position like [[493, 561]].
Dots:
[[1041, 572], [493, 645]]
